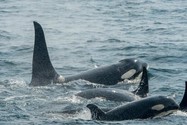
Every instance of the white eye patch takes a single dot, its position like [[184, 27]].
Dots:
[[158, 107], [128, 74]]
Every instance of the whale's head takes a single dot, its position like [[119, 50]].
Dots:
[[131, 68], [160, 106]]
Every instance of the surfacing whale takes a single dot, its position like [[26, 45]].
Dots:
[[43, 72], [113, 94], [149, 107], [183, 103]]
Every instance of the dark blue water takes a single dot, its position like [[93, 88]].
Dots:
[[82, 34]]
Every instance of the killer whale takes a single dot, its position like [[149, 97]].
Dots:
[[119, 94], [108, 94], [183, 103], [148, 107], [43, 72]]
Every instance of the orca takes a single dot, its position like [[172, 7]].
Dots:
[[183, 103], [150, 107], [43, 72], [108, 94], [119, 94]]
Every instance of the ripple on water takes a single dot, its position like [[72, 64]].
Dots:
[[81, 34]]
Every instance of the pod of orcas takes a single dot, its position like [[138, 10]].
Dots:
[[145, 108], [119, 94], [43, 73], [150, 107], [139, 106]]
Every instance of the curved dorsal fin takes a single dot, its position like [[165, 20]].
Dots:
[[183, 104], [97, 113], [43, 72], [143, 87]]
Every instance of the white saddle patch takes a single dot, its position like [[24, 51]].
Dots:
[[128, 74], [60, 79]]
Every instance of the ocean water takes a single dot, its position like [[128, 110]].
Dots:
[[83, 34]]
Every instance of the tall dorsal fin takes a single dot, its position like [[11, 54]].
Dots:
[[143, 87], [43, 72], [183, 104], [96, 113]]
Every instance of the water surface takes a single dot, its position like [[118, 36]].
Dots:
[[80, 35]]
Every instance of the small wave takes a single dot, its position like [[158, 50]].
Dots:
[[15, 83], [18, 97], [84, 114], [155, 29], [4, 92], [90, 41], [70, 99], [12, 111], [180, 10], [8, 63], [158, 11], [113, 40], [22, 48], [166, 70], [4, 37], [181, 113]]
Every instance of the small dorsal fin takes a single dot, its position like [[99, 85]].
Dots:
[[143, 87], [183, 104], [96, 113], [43, 72]]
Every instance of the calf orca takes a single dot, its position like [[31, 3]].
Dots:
[[119, 94], [43, 72], [149, 107], [109, 94]]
